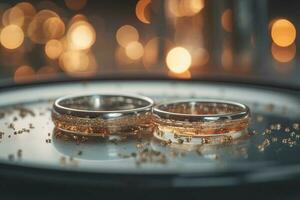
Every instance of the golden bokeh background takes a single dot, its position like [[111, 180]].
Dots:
[[173, 38]]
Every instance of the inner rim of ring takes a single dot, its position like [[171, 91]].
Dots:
[[201, 108], [104, 103]]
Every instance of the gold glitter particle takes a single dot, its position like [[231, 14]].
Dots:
[[287, 129], [296, 126], [264, 145], [259, 118]]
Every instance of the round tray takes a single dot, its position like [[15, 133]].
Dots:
[[29, 148]]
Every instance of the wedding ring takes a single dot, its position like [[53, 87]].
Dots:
[[103, 114], [200, 121]]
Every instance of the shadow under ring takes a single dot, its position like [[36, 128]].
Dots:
[[103, 114], [197, 121]]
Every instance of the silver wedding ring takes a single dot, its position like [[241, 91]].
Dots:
[[192, 121], [197, 121], [103, 114]]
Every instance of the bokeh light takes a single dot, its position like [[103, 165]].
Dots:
[[283, 54], [192, 7], [62, 37], [134, 50], [121, 57], [183, 8], [178, 60], [14, 16], [150, 56], [185, 75], [75, 4], [227, 58], [46, 70], [74, 62], [77, 18], [226, 20], [142, 11], [36, 27], [127, 34], [53, 49], [283, 32], [12, 36], [200, 57], [81, 35], [24, 73], [28, 12], [54, 28], [27, 8]]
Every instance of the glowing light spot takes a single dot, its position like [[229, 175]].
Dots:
[[151, 52], [75, 5], [77, 18], [24, 73], [141, 11], [35, 29], [54, 28], [12, 37], [28, 12], [283, 32], [27, 9], [14, 16], [121, 57], [185, 75], [45, 71], [134, 50], [172, 8], [227, 58], [226, 20], [178, 60], [53, 49], [192, 7], [183, 8], [283, 54], [74, 62], [127, 34], [200, 57], [81, 35]]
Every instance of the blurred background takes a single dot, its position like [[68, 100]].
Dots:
[[253, 40]]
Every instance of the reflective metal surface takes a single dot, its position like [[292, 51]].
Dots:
[[270, 152]]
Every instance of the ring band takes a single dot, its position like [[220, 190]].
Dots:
[[200, 121], [103, 114]]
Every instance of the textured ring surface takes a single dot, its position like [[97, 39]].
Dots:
[[198, 120], [103, 114]]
